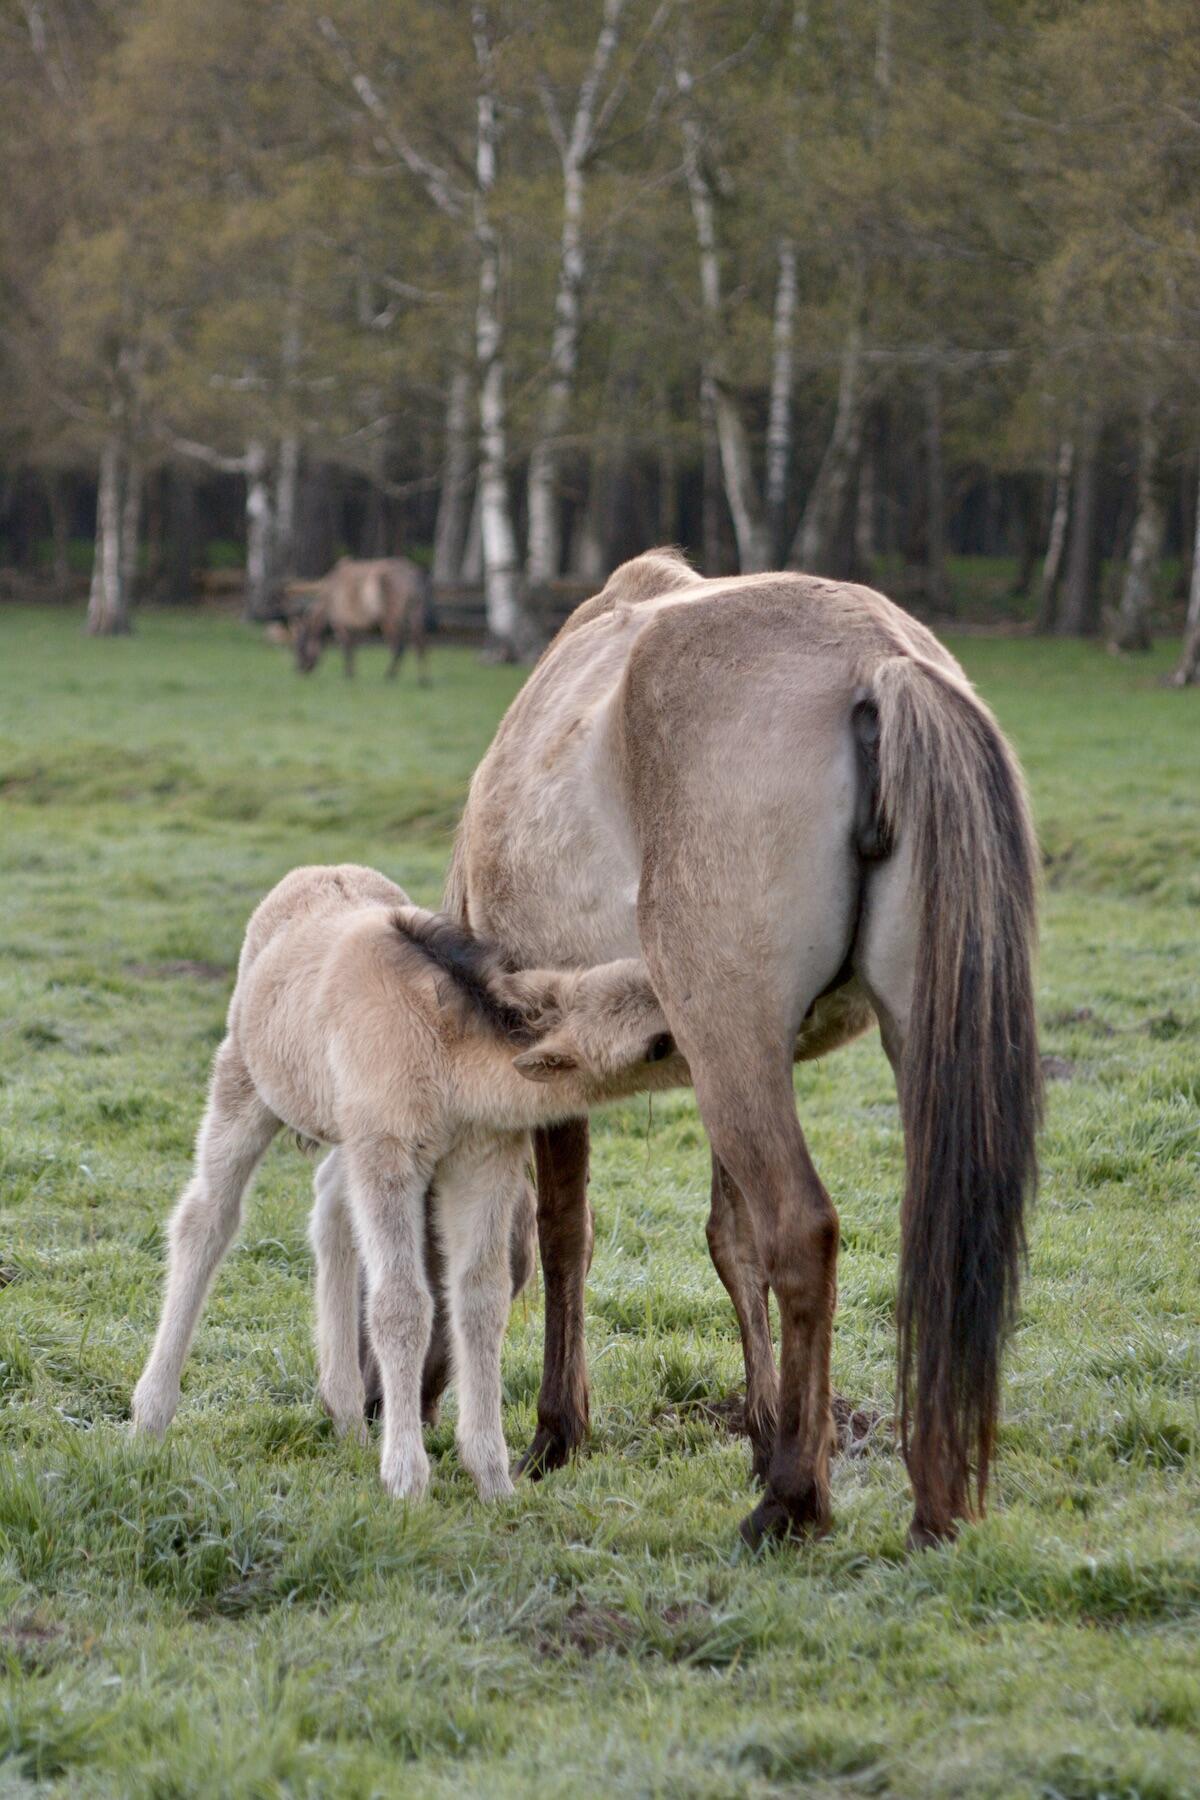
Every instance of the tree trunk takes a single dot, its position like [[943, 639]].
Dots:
[[544, 557], [1079, 608], [1189, 663], [181, 534], [865, 507], [287, 482], [59, 506], [1057, 539], [108, 614], [745, 506], [814, 545], [1132, 626], [450, 529], [668, 474], [510, 628], [713, 492], [779, 415], [471, 572], [131, 522], [260, 533], [936, 588]]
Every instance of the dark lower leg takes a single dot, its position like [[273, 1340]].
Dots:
[[803, 1265], [735, 1258], [565, 1237]]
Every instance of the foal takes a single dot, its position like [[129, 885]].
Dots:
[[363, 1022]]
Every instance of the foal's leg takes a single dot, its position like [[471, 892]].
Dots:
[[396, 644], [565, 1238], [735, 1256], [339, 1380], [235, 1132], [522, 1254], [478, 1187], [387, 1197], [436, 1372]]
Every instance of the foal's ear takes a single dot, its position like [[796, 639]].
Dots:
[[552, 1057], [535, 993]]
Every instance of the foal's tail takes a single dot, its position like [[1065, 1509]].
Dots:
[[970, 1081]]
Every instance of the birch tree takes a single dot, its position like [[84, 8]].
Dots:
[[576, 144], [741, 487]]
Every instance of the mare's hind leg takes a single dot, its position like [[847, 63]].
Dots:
[[339, 1381], [396, 642], [735, 1256], [236, 1130], [734, 999], [387, 1196], [749, 1110]]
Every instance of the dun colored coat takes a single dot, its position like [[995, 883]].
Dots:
[[785, 794], [358, 599], [362, 1022]]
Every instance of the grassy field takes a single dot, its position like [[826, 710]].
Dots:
[[240, 1611]]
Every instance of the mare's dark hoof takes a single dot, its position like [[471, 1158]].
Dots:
[[925, 1536], [549, 1450], [804, 1515]]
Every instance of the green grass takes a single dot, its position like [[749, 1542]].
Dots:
[[241, 1611]]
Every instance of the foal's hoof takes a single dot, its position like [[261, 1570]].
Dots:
[[549, 1450], [152, 1409], [804, 1515]]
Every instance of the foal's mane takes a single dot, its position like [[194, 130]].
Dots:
[[471, 965]]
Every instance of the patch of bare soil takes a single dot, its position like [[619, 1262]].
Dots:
[[588, 1629], [29, 1640]]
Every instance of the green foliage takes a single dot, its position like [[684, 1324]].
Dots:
[[241, 1611]]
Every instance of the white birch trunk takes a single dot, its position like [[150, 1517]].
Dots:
[[260, 530], [286, 487], [107, 614], [1056, 542], [865, 507], [749, 524], [1132, 630], [812, 546], [779, 416], [506, 619], [131, 526], [472, 557], [451, 526], [1189, 663], [544, 551]]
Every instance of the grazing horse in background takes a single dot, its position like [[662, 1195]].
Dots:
[[784, 793], [387, 596]]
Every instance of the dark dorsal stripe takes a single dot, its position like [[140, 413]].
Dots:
[[470, 964]]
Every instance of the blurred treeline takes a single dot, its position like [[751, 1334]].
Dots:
[[859, 285]]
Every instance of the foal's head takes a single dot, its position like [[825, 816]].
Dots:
[[604, 1024]]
